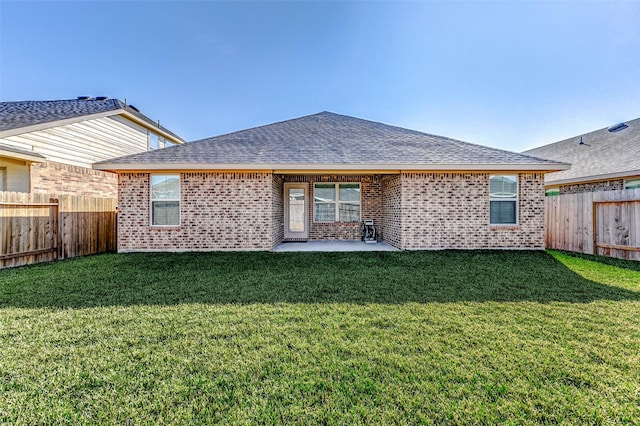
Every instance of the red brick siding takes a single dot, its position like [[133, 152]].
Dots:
[[57, 178], [244, 211], [603, 185], [391, 210], [370, 206], [219, 211], [451, 210]]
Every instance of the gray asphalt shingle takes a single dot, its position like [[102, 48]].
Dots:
[[602, 153], [328, 138], [19, 114]]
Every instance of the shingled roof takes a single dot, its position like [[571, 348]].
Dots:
[[602, 155], [328, 141], [23, 115]]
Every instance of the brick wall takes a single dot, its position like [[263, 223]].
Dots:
[[50, 177], [603, 185], [451, 210], [391, 210], [219, 211], [370, 206], [244, 211], [277, 212]]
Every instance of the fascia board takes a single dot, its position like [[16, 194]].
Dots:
[[285, 168], [593, 178]]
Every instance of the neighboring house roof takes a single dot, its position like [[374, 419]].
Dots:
[[603, 154], [22, 154], [24, 116], [328, 141]]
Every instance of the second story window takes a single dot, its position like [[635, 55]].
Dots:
[[154, 141]]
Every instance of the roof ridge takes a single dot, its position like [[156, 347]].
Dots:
[[257, 127]]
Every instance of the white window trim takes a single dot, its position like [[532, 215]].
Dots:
[[151, 200], [337, 201], [517, 201]]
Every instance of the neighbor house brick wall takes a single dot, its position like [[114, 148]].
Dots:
[[602, 185], [370, 206], [391, 210], [219, 211], [57, 178], [277, 206], [451, 211]]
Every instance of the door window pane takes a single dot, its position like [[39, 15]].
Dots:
[[296, 209]]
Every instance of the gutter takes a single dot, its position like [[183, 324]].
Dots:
[[328, 167], [593, 178]]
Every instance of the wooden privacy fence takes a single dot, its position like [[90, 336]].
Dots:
[[605, 223], [42, 227]]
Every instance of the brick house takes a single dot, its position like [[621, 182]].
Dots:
[[604, 160], [49, 146], [317, 177]]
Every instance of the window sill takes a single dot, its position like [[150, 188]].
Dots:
[[165, 227], [337, 223], [505, 227]]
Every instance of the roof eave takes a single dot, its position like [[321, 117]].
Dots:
[[593, 178], [128, 115], [175, 139], [308, 167], [55, 123], [34, 158]]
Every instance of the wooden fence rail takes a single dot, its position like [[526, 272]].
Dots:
[[605, 223], [43, 227]]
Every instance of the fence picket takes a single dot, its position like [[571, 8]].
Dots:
[[42, 227], [614, 216]]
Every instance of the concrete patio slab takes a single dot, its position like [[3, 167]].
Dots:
[[331, 246]]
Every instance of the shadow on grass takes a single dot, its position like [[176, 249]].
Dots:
[[378, 277]]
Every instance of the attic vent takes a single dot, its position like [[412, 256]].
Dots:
[[84, 98], [617, 127], [101, 98], [134, 108]]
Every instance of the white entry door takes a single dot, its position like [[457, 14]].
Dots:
[[296, 211]]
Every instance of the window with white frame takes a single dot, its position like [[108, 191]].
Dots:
[[632, 183], [503, 200], [3, 178], [336, 202], [165, 200], [155, 141]]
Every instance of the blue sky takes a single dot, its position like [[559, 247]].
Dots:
[[512, 75]]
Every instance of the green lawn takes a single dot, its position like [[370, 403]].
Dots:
[[454, 337]]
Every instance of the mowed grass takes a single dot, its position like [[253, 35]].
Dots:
[[451, 337]]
